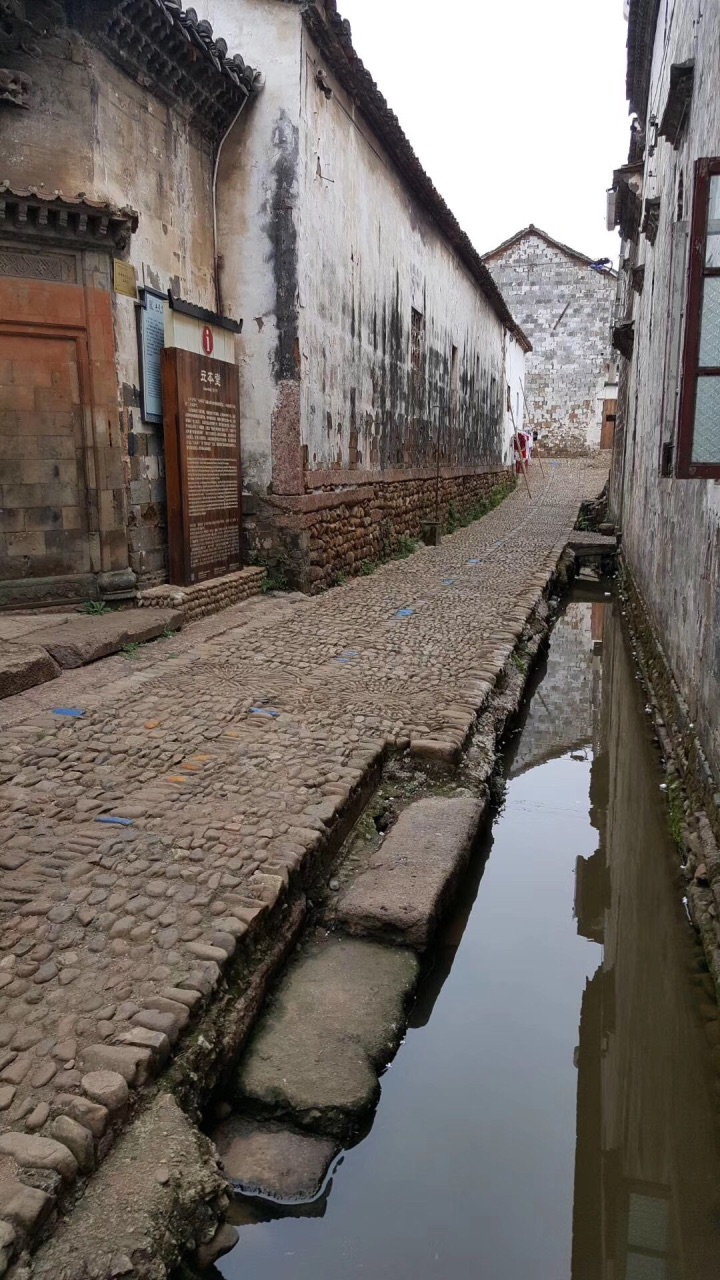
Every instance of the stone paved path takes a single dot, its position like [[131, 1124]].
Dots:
[[138, 840]]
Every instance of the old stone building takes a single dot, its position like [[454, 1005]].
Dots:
[[666, 464], [564, 301], [156, 194], [110, 120]]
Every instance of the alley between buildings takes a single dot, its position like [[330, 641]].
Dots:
[[146, 836]]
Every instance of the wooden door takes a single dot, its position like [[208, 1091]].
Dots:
[[608, 424]]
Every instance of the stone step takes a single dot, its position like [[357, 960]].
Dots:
[[87, 638], [23, 665], [274, 1163], [336, 1019], [410, 879]]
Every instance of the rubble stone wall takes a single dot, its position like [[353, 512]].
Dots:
[[321, 537]]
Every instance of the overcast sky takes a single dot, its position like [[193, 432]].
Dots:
[[516, 108]]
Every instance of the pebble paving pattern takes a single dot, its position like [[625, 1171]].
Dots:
[[139, 839]]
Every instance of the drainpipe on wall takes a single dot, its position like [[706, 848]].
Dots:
[[221, 144]]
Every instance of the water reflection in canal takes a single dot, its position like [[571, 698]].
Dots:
[[551, 1113]]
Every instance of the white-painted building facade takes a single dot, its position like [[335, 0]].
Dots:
[[376, 348]]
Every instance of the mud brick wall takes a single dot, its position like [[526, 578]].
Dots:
[[319, 537]]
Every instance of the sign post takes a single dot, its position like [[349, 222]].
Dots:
[[202, 461]]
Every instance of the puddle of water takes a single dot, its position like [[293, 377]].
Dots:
[[551, 1113]]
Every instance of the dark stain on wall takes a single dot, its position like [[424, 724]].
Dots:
[[282, 232], [408, 356]]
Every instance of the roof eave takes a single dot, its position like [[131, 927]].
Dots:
[[333, 36], [642, 23]]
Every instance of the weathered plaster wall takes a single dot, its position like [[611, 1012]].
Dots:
[[383, 302], [671, 527], [258, 219], [515, 374], [565, 308], [92, 129]]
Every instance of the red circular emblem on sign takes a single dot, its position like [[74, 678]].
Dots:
[[208, 341]]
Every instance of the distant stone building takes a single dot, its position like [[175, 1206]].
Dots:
[[666, 464], [154, 188], [564, 301]]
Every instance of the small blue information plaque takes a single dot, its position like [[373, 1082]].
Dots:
[[152, 341]]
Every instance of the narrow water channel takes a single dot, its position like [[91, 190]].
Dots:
[[552, 1111]]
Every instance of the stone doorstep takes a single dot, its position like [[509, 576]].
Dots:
[[23, 666], [87, 638]]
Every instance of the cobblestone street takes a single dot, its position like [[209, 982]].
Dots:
[[141, 838]]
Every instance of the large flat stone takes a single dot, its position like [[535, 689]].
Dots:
[[22, 666], [277, 1164], [335, 1020], [410, 879], [14, 626], [87, 638]]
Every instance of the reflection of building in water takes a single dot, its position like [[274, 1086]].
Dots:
[[562, 712], [647, 1171]]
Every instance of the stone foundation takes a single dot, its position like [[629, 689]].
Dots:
[[692, 787], [204, 598], [322, 536]]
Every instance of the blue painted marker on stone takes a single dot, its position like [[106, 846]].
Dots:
[[68, 711], [115, 822], [404, 613]]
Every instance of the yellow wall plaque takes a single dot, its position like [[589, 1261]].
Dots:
[[124, 278]]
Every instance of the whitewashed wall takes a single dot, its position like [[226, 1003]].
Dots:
[[368, 257], [671, 527], [565, 309], [324, 256], [258, 217], [515, 374]]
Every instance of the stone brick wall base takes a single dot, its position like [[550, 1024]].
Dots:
[[318, 537], [204, 598]]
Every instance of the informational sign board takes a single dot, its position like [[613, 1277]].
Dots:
[[202, 465], [124, 278], [151, 335]]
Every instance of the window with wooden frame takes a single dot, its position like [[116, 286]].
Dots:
[[699, 421]]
